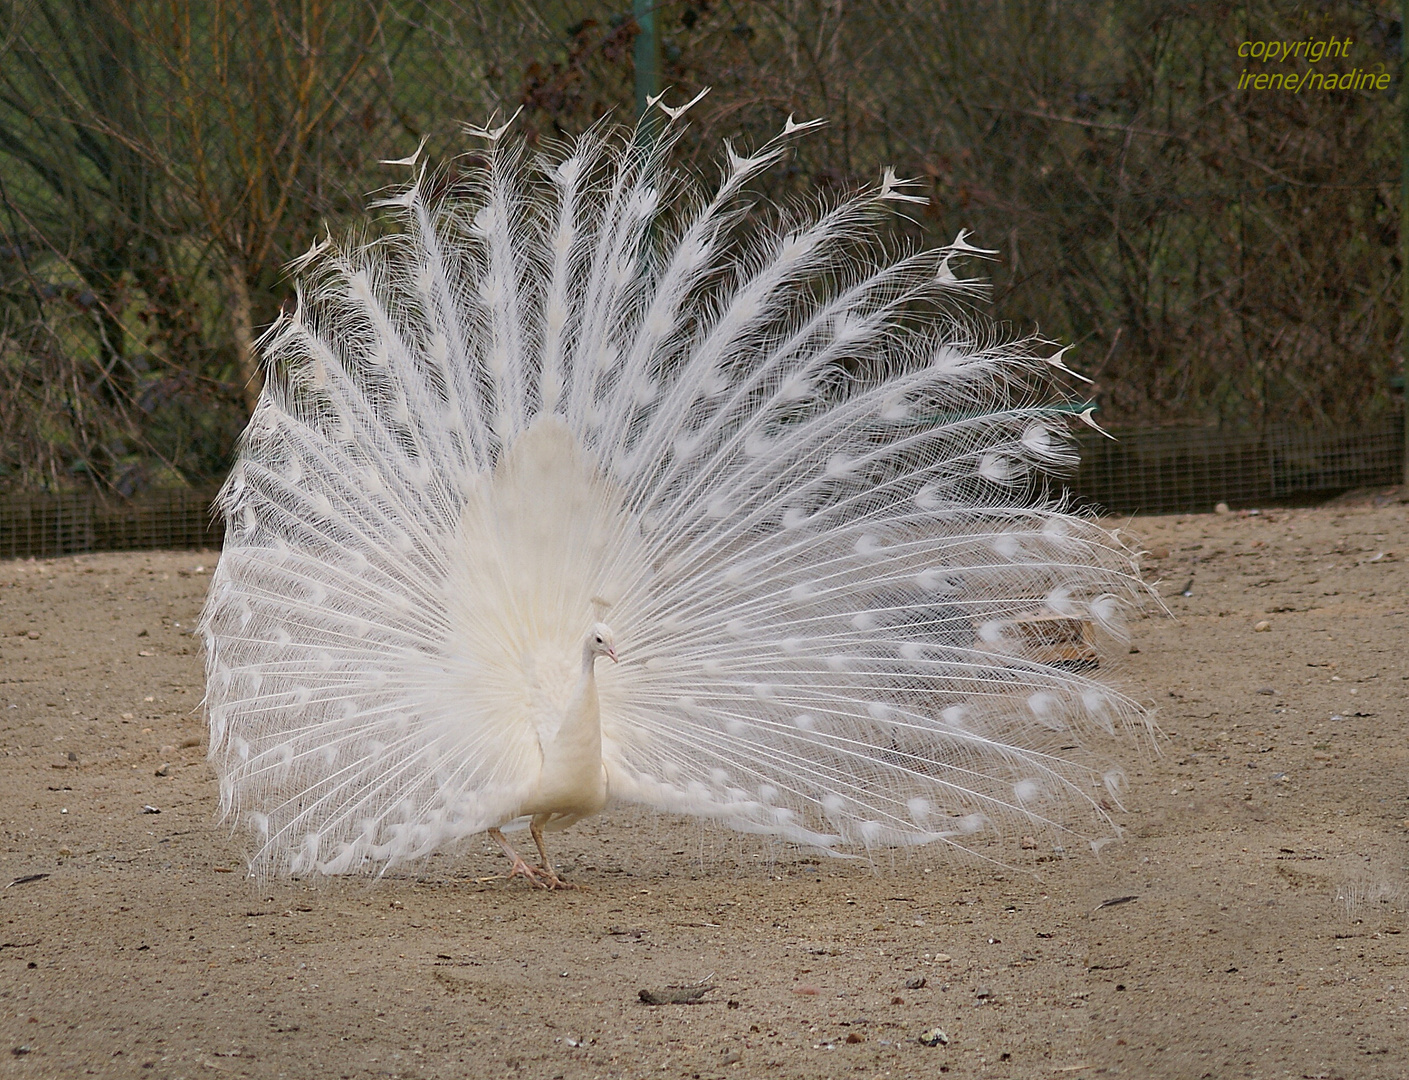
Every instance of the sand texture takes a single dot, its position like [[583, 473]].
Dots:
[[1248, 924]]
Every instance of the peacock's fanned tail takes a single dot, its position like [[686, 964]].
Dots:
[[802, 483]]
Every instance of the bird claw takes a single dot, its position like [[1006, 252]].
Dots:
[[538, 875], [558, 883], [548, 879]]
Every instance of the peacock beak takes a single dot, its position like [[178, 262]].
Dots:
[[611, 655]]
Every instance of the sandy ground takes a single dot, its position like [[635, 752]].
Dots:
[[1249, 924]]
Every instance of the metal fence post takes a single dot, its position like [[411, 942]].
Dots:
[[647, 53]]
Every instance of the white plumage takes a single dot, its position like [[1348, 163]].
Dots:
[[799, 483]]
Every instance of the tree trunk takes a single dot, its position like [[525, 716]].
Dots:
[[246, 360]]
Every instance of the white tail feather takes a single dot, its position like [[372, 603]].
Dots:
[[805, 492]]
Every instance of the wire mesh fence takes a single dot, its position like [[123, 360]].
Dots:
[[1149, 471], [46, 526], [1165, 471]]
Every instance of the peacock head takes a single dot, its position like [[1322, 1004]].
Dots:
[[600, 643]]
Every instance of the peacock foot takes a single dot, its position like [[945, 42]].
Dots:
[[538, 877], [543, 877], [547, 877], [555, 882]]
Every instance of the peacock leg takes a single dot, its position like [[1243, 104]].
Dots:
[[521, 868], [535, 827]]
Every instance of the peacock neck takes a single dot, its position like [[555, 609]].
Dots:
[[572, 757]]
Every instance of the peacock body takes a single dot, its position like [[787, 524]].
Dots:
[[792, 487]]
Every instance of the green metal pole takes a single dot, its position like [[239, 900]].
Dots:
[[1404, 220], [648, 53]]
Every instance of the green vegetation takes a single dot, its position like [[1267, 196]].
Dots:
[[1218, 255]]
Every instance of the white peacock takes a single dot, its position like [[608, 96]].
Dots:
[[797, 492]]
